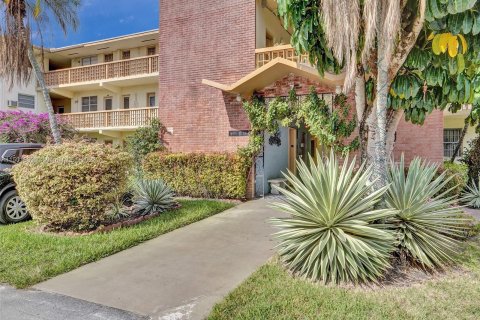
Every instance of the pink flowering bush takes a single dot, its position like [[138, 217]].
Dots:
[[29, 127]]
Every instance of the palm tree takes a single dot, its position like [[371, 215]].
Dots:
[[17, 56], [379, 24]]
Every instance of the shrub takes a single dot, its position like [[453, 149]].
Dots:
[[471, 196], [145, 140], [471, 158], [152, 196], [216, 175], [71, 186], [331, 235], [426, 222], [28, 127], [457, 175]]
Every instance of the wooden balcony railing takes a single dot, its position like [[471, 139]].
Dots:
[[103, 71], [111, 118], [265, 55]]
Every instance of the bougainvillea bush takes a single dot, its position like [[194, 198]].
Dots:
[[29, 127]]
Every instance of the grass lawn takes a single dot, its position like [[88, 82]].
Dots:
[[271, 293], [28, 258]]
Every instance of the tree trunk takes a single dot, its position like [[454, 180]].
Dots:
[[380, 159], [57, 137], [392, 129], [460, 141], [362, 113]]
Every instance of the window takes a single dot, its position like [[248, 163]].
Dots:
[[26, 101], [60, 110], [11, 156], [89, 60], [89, 104], [108, 103], [126, 102], [126, 55], [108, 57], [151, 51], [27, 152], [451, 137], [151, 100]]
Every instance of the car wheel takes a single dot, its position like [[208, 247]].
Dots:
[[12, 208]]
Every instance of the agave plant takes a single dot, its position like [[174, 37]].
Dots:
[[152, 196], [332, 235], [471, 196], [427, 222]]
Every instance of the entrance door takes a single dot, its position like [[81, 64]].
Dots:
[[108, 103], [292, 149]]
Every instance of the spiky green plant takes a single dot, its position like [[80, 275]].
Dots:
[[152, 196], [427, 222], [471, 196], [332, 235]]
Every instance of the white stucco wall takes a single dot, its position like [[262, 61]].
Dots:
[[7, 93]]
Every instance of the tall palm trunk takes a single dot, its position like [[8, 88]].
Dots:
[[57, 137], [380, 158]]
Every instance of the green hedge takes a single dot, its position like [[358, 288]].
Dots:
[[459, 180], [71, 186], [216, 175]]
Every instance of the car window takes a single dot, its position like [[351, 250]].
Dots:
[[27, 152], [12, 155]]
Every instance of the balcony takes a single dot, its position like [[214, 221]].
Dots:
[[124, 119], [103, 71], [265, 55]]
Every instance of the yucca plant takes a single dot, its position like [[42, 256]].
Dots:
[[334, 234], [152, 196], [427, 223], [471, 196]]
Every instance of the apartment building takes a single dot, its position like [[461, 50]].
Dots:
[[108, 88], [214, 53], [23, 97]]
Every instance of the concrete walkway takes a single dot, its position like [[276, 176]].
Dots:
[[179, 275]]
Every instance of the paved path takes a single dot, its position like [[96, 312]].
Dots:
[[37, 305], [179, 275]]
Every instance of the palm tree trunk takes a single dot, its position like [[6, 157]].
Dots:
[[460, 141], [57, 137], [392, 129], [380, 158], [362, 114]]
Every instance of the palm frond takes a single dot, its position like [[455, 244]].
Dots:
[[427, 223], [331, 235], [471, 196]]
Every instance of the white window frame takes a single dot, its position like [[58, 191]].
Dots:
[[88, 61], [451, 138], [91, 106]]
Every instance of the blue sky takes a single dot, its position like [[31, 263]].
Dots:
[[100, 19]]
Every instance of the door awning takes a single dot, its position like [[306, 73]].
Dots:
[[273, 71]]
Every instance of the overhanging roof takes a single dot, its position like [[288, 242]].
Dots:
[[273, 71]]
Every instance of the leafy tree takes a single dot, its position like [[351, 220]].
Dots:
[[433, 62], [17, 56]]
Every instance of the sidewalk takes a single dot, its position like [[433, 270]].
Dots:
[[179, 275]]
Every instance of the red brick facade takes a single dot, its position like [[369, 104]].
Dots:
[[208, 39], [215, 40]]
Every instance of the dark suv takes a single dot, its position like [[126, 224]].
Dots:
[[12, 208]]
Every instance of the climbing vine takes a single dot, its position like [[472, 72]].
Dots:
[[331, 126]]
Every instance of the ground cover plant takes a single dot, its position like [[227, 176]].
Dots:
[[29, 257]]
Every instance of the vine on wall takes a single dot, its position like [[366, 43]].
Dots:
[[331, 126]]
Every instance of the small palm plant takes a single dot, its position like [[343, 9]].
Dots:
[[152, 196], [332, 235], [471, 196], [427, 222]]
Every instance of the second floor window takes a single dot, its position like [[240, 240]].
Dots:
[[108, 57], [89, 104], [126, 55], [126, 102], [89, 60], [151, 51], [26, 101], [151, 100]]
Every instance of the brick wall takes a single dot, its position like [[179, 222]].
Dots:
[[425, 141], [207, 39]]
